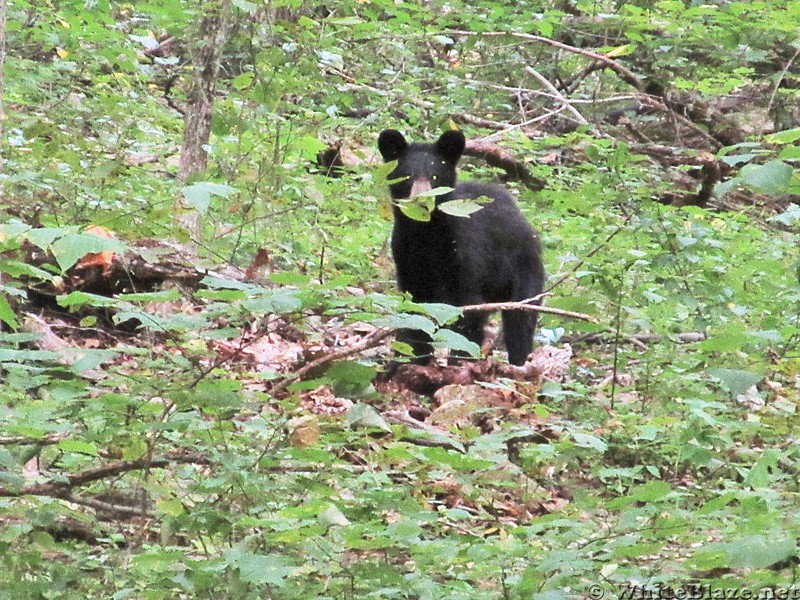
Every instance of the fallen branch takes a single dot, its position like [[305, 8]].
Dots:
[[689, 337], [372, 340], [439, 437], [63, 489], [112, 509], [559, 96], [497, 157], [527, 305], [26, 440]]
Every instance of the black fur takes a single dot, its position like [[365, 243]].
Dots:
[[492, 256]]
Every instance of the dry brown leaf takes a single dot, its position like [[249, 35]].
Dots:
[[552, 362], [98, 259], [322, 401]]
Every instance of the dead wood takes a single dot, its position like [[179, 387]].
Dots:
[[528, 305], [688, 337], [497, 157], [371, 341], [128, 273], [425, 380], [64, 488]]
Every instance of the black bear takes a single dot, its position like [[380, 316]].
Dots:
[[491, 256]]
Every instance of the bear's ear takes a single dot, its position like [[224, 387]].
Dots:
[[451, 145], [391, 143]]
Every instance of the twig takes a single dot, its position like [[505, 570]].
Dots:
[[559, 96], [107, 507], [439, 437], [626, 74], [481, 122], [377, 337], [639, 339], [527, 305], [663, 106], [26, 440], [372, 340], [778, 81], [63, 489], [597, 249]]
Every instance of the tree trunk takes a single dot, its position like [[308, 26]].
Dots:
[[3, 18], [206, 53]]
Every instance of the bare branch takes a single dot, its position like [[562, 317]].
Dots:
[[559, 96], [497, 157], [527, 305], [25, 440], [63, 489], [372, 340], [626, 74], [107, 507]]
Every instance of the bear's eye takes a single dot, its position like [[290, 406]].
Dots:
[[434, 177]]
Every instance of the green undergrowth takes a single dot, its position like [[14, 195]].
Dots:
[[147, 455]]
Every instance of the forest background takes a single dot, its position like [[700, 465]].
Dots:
[[196, 297]]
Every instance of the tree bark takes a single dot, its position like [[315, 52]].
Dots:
[[3, 19], [206, 54]]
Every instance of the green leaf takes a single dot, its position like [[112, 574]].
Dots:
[[381, 172], [442, 313], [459, 208], [78, 299], [350, 378], [85, 359], [434, 192], [245, 6], [12, 231], [416, 211], [333, 516], [78, 447], [278, 302], [7, 314], [363, 415], [735, 381], [309, 146], [650, 491], [447, 338], [758, 476], [789, 153], [585, 440], [726, 186], [22, 356], [771, 178], [199, 194], [737, 159], [788, 217], [70, 248], [160, 296], [406, 321], [784, 137], [171, 507], [269, 569], [751, 552], [225, 284], [290, 278], [44, 236], [16, 269], [730, 338]]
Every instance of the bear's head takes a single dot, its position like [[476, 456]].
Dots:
[[421, 167]]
